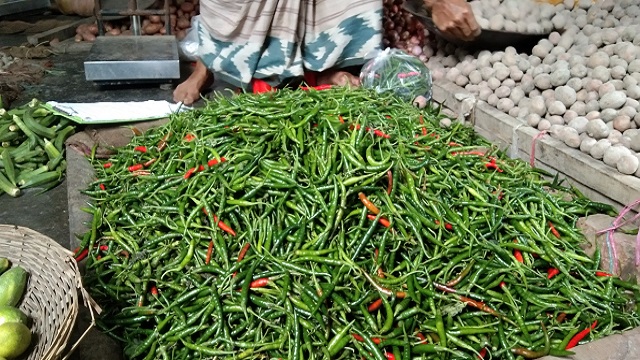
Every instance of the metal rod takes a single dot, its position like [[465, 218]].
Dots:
[[97, 12], [167, 17], [135, 25], [113, 12]]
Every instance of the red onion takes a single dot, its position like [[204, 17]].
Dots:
[[402, 30]]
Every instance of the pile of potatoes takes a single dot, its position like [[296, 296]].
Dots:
[[523, 16], [181, 13], [581, 84]]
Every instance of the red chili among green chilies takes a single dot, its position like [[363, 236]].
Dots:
[[581, 335]]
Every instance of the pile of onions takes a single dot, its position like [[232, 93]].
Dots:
[[181, 13], [402, 30]]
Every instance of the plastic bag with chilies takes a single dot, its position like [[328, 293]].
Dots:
[[190, 44], [394, 70]]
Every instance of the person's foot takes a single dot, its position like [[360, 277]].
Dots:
[[188, 91], [337, 77]]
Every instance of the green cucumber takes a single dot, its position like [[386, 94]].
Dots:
[[12, 285]]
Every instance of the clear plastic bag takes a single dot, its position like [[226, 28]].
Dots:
[[190, 44], [394, 70]]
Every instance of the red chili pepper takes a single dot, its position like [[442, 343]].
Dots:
[[603, 274], [388, 116], [437, 222], [390, 356], [471, 152], [424, 129], [357, 337], [83, 254], [448, 226], [142, 149], [319, 87], [102, 187], [214, 162], [553, 230], [200, 168], [451, 143], [380, 273], [380, 133], [482, 353], [135, 167], [382, 221], [103, 248], [581, 335], [518, 254], [107, 165], [503, 284], [224, 227], [209, 252], [375, 305], [154, 290], [243, 251], [389, 182], [262, 282], [491, 165], [189, 173], [341, 119], [368, 204], [189, 137], [423, 340], [551, 272]]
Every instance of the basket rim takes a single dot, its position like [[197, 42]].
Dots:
[[63, 259]]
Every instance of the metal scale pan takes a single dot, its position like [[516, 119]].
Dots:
[[118, 60]]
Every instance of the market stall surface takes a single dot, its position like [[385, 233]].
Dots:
[[47, 213]]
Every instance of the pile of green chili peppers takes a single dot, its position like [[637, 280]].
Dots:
[[339, 224]]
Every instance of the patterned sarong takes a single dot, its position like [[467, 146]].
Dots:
[[278, 40]]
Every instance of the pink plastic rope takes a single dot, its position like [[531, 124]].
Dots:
[[532, 159], [615, 225]]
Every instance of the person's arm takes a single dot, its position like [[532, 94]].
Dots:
[[454, 18]]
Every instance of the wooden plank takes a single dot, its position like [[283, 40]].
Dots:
[[62, 32]]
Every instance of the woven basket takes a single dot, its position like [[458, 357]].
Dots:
[[51, 298]]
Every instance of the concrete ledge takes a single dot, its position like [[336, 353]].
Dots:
[[622, 346], [594, 178], [82, 171]]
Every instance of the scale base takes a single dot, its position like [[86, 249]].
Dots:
[[133, 59]]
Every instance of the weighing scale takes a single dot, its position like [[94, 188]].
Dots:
[[116, 60]]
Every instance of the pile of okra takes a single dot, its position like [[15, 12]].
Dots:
[[339, 224], [31, 147]]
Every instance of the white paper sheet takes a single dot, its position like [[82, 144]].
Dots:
[[114, 112]]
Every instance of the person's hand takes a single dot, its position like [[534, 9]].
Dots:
[[454, 18]]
